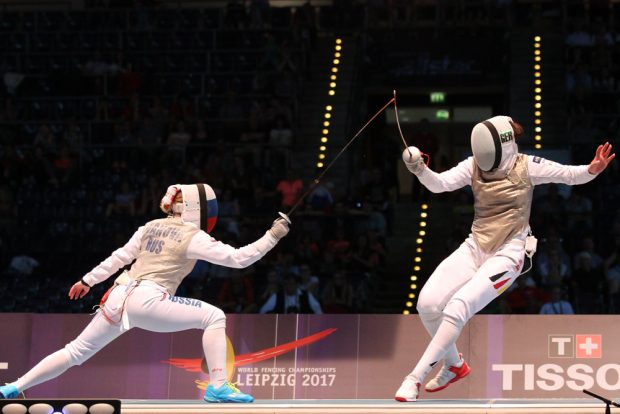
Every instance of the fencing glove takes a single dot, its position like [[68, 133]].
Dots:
[[279, 228], [413, 160]]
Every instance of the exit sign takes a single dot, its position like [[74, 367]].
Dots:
[[442, 115], [438, 97]]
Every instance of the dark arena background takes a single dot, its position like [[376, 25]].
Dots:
[[106, 103]]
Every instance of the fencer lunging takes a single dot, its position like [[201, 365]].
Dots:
[[165, 251], [492, 257]]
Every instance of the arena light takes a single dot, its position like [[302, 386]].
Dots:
[[328, 108], [409, 304], [417, 260], [62, 406], [537, 90], [405, 312]]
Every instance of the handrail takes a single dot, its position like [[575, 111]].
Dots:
[[215, 127], [228, 74], [143, 97], [36, 5], [147, 52], [107, 31]]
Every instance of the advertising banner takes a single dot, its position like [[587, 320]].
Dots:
[[325, 357]]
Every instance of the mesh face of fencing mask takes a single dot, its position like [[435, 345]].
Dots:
[[199, 206], [493, 144]]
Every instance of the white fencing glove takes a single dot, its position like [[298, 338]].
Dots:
[[279, 228], [166, 202], [413, 160]]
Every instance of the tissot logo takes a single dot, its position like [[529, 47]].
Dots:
[[575, 346], [576, 375]]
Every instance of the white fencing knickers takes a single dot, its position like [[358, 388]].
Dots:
[[465, 282], [148, 306]]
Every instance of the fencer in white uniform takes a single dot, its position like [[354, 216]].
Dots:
[[492, 257], [165, 251]]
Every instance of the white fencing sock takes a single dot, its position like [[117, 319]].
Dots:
[[214, 346], [444, 338], [431, 322], [50, 367]]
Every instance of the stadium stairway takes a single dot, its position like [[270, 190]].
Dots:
[[393, 289]]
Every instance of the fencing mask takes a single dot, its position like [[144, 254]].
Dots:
[[199, 206], [493, 144]]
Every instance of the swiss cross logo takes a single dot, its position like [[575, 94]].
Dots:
[[575, 346], [588, 346]]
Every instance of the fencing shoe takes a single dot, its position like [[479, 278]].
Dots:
[[447, 375], [8, 392], [408, 391], [226, 393]]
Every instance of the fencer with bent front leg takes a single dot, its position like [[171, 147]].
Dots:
[[492, 256]]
